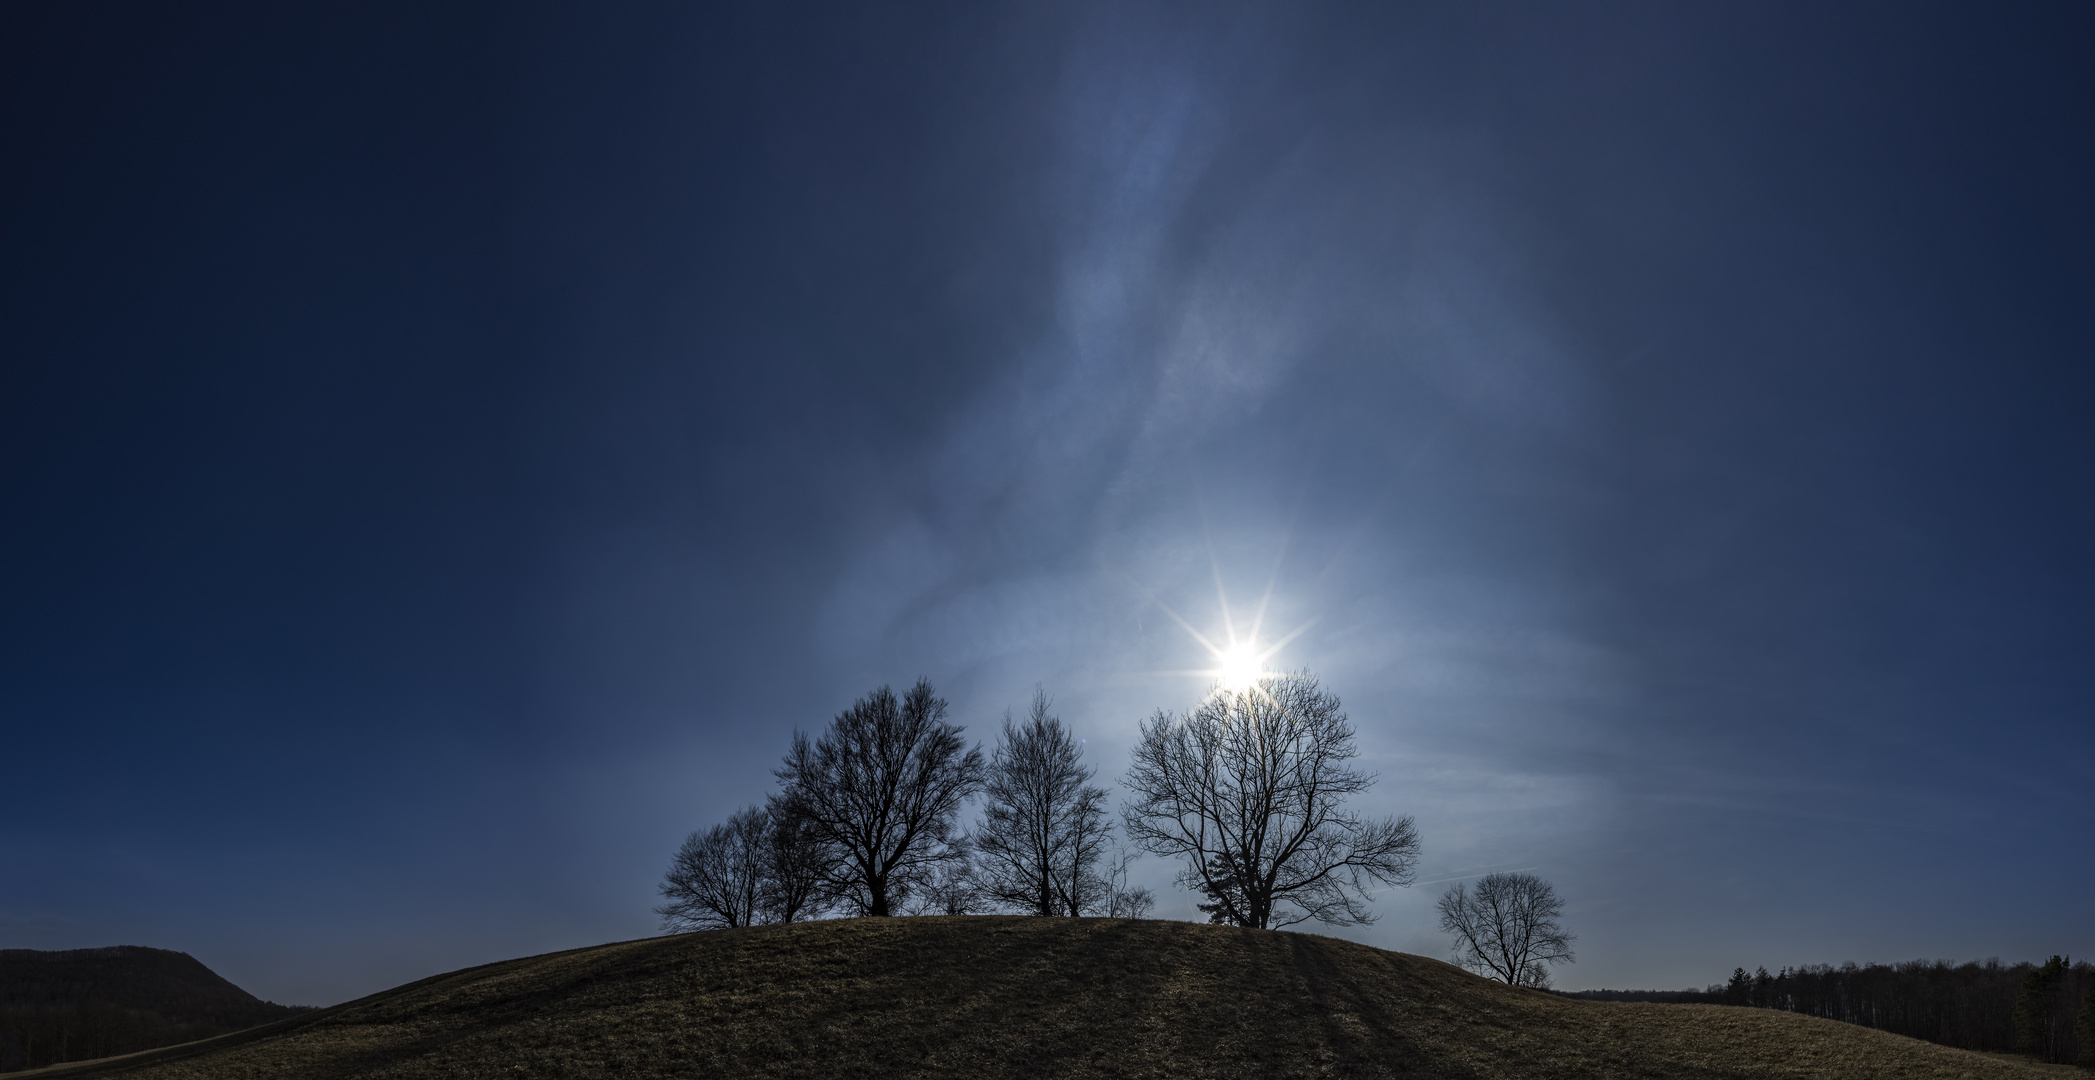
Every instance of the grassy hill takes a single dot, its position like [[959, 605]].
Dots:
[[1010, 997]]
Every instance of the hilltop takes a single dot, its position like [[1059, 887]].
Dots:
[[992, 996]]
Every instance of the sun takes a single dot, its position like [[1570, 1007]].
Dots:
[[1240, 661], [1239, 666]]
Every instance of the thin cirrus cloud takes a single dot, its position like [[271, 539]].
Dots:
[[1138, 450], [1662, 425]]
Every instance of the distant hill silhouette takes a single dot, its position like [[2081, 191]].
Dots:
[[81, 1004], [996, 997]]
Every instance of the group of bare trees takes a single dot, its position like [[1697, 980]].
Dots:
[[867, 822], [765, 864], [1247, 792]]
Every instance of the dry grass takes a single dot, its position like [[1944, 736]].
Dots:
[[1015, 997]]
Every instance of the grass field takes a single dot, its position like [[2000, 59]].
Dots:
[[1016, 997]]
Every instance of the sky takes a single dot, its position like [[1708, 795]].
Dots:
[[447, 450]]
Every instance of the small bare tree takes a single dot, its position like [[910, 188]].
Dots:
[[1506, 927], [1248, 791], [882, 788], [1117, 901], [1044, 825], [718, 877]]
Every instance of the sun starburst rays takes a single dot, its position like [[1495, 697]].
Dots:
[[1239, 662]]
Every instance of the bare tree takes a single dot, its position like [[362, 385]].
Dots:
[[717, 878], [1118, 901], [882, 787], [1079, 886], [800, 866], [1507, 928], [1248, 790], [1044, 825]]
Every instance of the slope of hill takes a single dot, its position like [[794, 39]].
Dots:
[[82, 1003], [1007, 997]]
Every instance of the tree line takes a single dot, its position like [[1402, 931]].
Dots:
[[31, 1038], [1246, 792], [2046, 1010]]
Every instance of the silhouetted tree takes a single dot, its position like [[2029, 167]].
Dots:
[[1739, 991], [800, 866], [1507, 927], [1248, 792], [1044, 825], [882, 787], [718, 877]]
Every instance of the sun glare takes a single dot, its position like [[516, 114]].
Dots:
[[1239, 666], [1240, 661]]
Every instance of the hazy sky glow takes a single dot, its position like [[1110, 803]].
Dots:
[[444, 455]]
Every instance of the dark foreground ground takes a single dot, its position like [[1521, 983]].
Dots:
[[1015, 997]]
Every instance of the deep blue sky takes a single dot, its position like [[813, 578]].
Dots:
[[445, 452]]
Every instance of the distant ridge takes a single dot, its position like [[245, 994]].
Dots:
[[78, 1004], [991, 997]]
